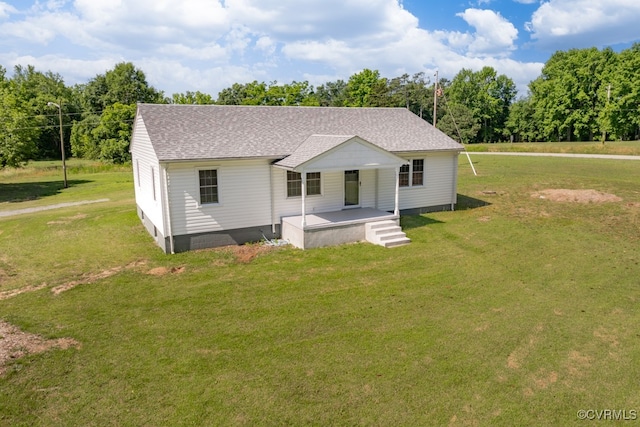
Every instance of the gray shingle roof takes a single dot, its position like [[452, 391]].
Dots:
[[193, 132]]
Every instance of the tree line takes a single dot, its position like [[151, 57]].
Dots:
[[581, 94]]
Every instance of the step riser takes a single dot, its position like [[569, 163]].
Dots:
[[386, 233], [396, 244]]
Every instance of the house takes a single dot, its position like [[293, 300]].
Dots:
[[212, 175]]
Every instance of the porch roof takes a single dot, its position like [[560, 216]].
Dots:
[[338, 152]]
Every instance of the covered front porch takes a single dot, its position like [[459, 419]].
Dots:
[[335, 228], [349, 155]]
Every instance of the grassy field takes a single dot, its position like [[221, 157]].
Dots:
[[512, 310], [631, 148]]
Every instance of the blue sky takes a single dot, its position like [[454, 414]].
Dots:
[[207, 45]]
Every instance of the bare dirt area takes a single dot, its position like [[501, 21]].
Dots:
[[92, 278], [246, 253], [576, 196], [161, 271], [15, 344], [15, 292]]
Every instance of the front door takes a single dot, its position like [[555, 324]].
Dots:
[[352, 188]]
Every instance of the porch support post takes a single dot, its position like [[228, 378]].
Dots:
[[303, 177], [396, 210]]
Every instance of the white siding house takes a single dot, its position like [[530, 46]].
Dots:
[[208, 176]]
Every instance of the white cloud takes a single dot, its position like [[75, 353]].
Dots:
[[72, 70], [6, 10], [293, 20], [207, 45], [584, 23], [494, 34], [266, 45]]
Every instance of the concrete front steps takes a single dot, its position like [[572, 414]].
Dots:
[[385, 233]]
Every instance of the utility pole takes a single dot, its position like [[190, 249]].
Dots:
[[604, 134], [64, 165], [435, 100]]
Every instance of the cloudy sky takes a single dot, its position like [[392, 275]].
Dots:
[[207, 45]]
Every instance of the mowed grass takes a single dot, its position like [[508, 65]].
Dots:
[[512, 310], [628, 148]]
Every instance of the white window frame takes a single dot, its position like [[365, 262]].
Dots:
[[411, 172], [203, 169], [153, 183], [286, 184]]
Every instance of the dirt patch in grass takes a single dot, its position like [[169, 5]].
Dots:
[[67, 219], [242, 254], [15, 344], [161, 271], [246, 253], [576, 196], [15, 292], [92, 278]]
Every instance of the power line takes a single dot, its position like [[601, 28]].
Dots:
[[69, 125]]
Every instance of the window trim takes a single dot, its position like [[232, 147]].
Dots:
[[199, 187], [413, 172], [320, 179], [153, 183], [410, 173]]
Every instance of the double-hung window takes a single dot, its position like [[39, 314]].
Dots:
[[412, 174], [208, 186], [294, 184]]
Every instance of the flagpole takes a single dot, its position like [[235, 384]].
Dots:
[[435, 100]]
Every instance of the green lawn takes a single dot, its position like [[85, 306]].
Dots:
[[631, 148], [512, 310]]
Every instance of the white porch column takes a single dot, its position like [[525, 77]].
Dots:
[[303, 177], [396, 210]]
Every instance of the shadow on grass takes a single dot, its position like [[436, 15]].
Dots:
[[23, 191], [466, 203], [417, 221]]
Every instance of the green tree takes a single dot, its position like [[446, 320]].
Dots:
[[193, 98], [620, 94], [458, 122], [83, 143], [124, 84], [570, 93], [111, 96], [113, 133], [18, 135], [34, 90], [488, 96], [332, 94], [365, 89], [520, 126]]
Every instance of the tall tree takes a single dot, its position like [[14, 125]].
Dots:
[[621, 96], [458, 122], [124, 84], [521, 124], [569, 94], [18, 132], [193, 98], [111, 96], [34, 90], [365, 89], [488, 96], [114, 132], [332, 94]]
